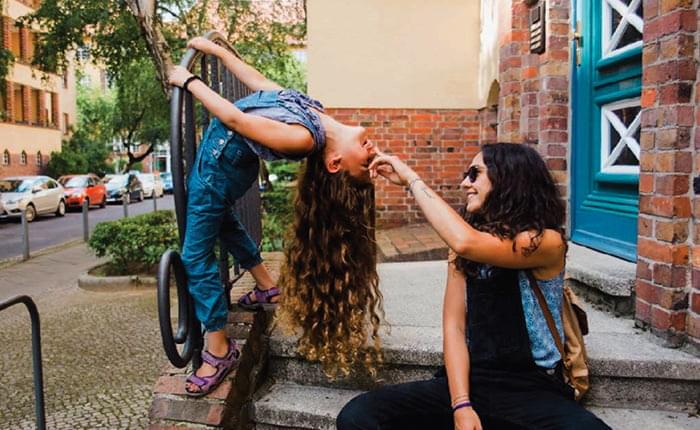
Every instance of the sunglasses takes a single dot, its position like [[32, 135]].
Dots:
[[472, 174]]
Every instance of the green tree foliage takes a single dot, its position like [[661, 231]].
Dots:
[[89, 146], [142, 112]]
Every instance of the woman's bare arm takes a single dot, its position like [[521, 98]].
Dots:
[[247, 74]]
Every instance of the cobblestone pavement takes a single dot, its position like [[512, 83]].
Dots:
[[101, 355], [102, 352]]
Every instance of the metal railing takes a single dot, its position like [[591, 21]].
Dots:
[[39, 409], [185, 132]]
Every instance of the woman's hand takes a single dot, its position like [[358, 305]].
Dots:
[[466, 419], [178, 75], [204, 45], [392, 168]]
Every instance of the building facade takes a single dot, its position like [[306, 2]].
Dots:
[[608, 91], [36, 114]]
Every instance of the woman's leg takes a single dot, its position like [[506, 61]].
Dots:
[[532, 399], [415, 405]]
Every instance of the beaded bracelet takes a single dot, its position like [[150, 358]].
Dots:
[[461, 405]]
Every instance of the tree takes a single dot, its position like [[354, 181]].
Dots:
[[126, 35], [88, 148], [141, 115]]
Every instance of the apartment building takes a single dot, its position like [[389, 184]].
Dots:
[[36, 109]]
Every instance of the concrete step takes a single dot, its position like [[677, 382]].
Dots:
[[628, 369], [299, 407]]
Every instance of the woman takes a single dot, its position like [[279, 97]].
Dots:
[[272, 123], [502, 367]]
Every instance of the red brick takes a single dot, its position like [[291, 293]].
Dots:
[[646, 291], [694, 326], [673, 231], [642, 310], [672, 185], [695, 302], [662, 252], [648, 97], [643, 270], [664, 319]]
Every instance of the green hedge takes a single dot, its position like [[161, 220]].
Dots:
[[278, 216], [135, 244]]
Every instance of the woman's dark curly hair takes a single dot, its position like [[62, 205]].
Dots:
[[523, 197], [331, 292]]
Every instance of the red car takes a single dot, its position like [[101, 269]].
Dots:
[[83, 187]]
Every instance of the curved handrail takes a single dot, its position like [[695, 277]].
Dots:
[[189, 332], [39, 409]]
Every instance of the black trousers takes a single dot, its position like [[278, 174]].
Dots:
[[503, 400]]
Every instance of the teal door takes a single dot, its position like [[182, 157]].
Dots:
[[606, 116]]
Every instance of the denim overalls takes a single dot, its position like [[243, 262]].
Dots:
[[225, 168]]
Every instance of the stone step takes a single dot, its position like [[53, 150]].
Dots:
[[627, 371], [299, 407], [628, 368]]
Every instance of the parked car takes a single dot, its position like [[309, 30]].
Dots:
[[167, 179], [80, 188], [123, 188], [152, 186], [37, 195]]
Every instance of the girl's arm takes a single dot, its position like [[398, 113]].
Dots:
[[465, 240], [289, 139], [455, 346], [247, 74]]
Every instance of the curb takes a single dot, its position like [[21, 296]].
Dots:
[[11, 261], [103, 284]]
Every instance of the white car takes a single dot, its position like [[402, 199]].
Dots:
[[152, 185], [37, 195]]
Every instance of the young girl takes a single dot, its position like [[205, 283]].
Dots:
[[271, 123], [503, 369]]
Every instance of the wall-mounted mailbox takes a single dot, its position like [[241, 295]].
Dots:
[[537, 28]]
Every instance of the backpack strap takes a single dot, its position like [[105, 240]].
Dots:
[[545, 310]]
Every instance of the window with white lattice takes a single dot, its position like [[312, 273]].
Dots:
[[622, 26], [620, 131]]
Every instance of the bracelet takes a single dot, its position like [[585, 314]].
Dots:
[[410, 184], [461, 405], [460, 398], [188, 80]]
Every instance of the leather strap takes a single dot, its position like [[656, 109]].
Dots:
[[545, 310]]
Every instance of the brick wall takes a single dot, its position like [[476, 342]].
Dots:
[[693, 324], [534, 97], [669, 138], [16, 168], [438, 143]]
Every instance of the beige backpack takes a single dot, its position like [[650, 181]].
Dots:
[[575, 324]]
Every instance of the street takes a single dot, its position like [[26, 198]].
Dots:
[[50, 230]]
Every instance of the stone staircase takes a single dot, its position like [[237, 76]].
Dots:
[[636, 384]]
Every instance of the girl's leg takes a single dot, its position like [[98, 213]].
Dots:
[[415, 405], [244, 250], [205, 213]]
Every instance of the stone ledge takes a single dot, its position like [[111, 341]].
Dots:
[[608, 274]]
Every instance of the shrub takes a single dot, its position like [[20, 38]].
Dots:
[[135, 244], [278, 217]]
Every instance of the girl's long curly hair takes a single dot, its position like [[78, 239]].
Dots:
[[331, 296], [523, 197]]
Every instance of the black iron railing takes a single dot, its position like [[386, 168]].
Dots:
[[185, 132], [36, 356]]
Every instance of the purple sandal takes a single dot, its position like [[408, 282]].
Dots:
[[263, 299], [223, 365]]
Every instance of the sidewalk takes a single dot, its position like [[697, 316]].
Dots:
[[417, 242], [101, 351]]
